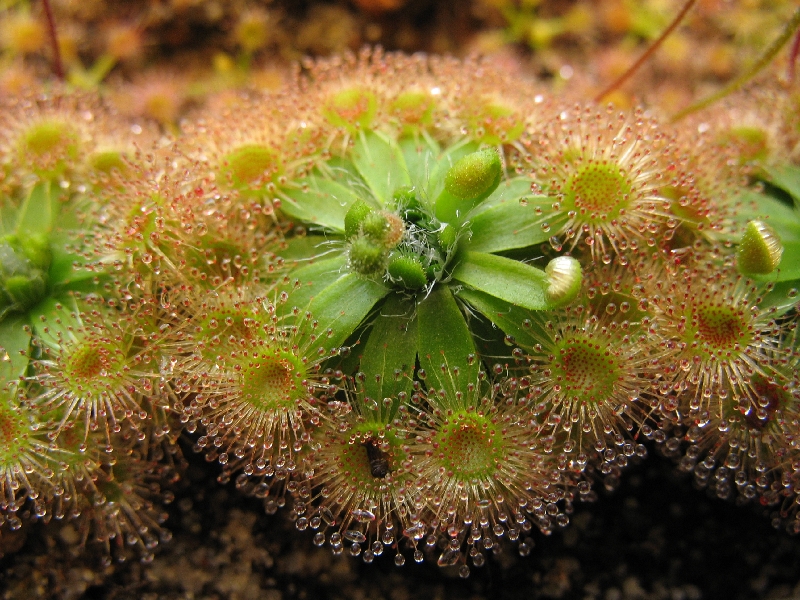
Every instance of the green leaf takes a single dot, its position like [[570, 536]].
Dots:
[[38, 211], [787, 177], [420, 154], [782, 218], [783, 297], [62, 265], [504, 278], [304, 248], [509, 225], [312, 279], [381, 164], [390, 349], [511, 319], [445, 342], [47, 314], [320, 202], [340, 308], [15, 341], [338, 169]]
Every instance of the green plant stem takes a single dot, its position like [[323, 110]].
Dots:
[[648, 53], [737, 83]]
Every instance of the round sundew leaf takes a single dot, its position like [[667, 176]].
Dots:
[[389, 355], [245, 166], [470, 446], [504, 278], [320, 202], [38, 211], [352, 109], [49, 148], [341, 307], [108, 161], [445, 339], [413, 109], [15, 339], [381, 164]]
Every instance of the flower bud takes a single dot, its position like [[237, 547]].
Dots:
[[759, 251], [564, 280]]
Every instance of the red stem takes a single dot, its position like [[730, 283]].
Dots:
[[648, 53], [58, 66], [793, 53]]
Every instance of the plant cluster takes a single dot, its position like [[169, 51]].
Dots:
[[425, 307]]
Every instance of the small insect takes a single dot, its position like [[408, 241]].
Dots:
[[378, 461]]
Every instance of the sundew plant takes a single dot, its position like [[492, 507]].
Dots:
[[424, 307]]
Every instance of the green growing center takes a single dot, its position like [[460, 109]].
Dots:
[[87, 362], [602, 190], [248, 165], [273, 380], [469, 446], [50, 138], [720, 326]]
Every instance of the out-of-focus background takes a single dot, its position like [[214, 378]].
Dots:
[[164, 55]]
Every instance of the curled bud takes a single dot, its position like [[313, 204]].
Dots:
[[375, 226], [408, 270], [366, 257], [469, 181], [475, 176], [355, 216], [447, 237], [759, 251], [564, 280]]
